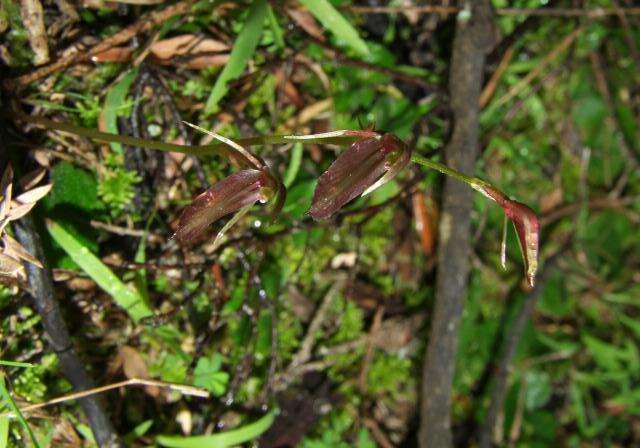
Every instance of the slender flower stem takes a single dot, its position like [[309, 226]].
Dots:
[[473, 182], [194, 150]]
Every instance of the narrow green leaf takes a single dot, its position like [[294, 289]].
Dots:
[[223, 439], [294, 164], [13, 407], [126, 297], [114, 102], [335, 22], [4, 432], [16, 363], [276, 29], [243, 49]]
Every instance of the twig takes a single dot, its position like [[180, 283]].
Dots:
[[490, 87], [511, 342], [144, 23], [603, 203], [377, 433], [473, 40], [304, 354], [594, 13], [184, 389], [368, 356], [41, 286]]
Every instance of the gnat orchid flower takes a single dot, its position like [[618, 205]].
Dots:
[[367, 164], [234, 194], [527, 227]]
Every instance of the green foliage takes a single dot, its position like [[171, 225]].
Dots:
[[329, 16], [117, 189], [243, 50], [128, 298], [73, 187], [224, 439], [208, 375]]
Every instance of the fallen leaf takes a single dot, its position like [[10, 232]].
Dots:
[[307, 22], [186, 44]]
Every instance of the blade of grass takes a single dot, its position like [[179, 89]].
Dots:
[[223, 439], [336, 138], [16, 364], [4, 432], [276, 29], [114, 103], [294, 165], [129, 299], [6, 396], [243, 49], [335, 22]]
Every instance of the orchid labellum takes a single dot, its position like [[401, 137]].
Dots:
[[367, 164]]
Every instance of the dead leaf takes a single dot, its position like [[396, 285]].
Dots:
[[115, 54], [31, 196], [307, 22], [31, 179], [426, 219], [186, 44]]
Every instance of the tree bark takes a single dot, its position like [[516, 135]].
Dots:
[[473, 40]]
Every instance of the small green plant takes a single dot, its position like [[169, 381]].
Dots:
[[117, 189]]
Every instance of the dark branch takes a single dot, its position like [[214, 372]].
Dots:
[[41, 287], [473, 40]]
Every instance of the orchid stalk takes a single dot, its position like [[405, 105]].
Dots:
[[371, 160]]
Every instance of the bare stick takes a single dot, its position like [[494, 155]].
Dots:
[[472, 42], [186, 390], [595, 13]]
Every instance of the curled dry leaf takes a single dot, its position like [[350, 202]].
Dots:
[[195, 52], [307, 22]]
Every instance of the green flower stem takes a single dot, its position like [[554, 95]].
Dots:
[[198, 151], [473, 182]]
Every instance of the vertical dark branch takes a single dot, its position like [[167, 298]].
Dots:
[[510, 347], [41, 286], [473, 40]]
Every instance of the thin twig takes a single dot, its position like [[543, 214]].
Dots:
[[184, 389], [594, 13]]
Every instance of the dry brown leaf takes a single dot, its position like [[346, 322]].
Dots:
[[186, 44], [15, 250], [307, 22], [18, 211], [115, 54], [133, 364], [31, 179], [34, 195], [11, 268]]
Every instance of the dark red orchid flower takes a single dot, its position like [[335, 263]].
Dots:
[[365, 166], [527, 227], [236, 193]]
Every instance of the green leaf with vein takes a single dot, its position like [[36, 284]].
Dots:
[[128, 298], [114, 103], [335, 22], [224, 439], [243, 50]]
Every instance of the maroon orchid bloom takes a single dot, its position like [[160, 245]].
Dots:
[[234, 194], [527, 227], [365, 166]]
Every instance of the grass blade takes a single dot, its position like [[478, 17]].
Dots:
[[13, 407], [223, 439], [294, 164], [243, 49], [335, 22], [129, 299], [114, 103], [16, 364]]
